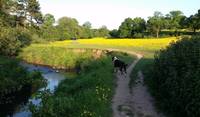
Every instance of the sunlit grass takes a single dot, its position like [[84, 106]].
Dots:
[[138, 45], [57, 53]]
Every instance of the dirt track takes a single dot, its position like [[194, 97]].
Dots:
[[139, 103]]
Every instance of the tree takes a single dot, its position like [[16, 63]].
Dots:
[[156, 23], [114, 33], [48, 20], [138, 27], [33, 11], [48, 31], [87, 25], [86, 30], [125, 29], [103, 31], [174, 18], [68, 28], [6, 9], [193, 21]]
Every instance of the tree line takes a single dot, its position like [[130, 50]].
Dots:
[[130, 28], [172, 22]]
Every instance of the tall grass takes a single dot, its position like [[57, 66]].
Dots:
[[59, 57]]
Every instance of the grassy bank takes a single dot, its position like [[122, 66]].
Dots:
[[87, 95]]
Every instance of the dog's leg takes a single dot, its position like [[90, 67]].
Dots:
[[125, 73], [121, 70], [115, 69]]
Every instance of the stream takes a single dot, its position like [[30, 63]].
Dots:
[[53, 78]]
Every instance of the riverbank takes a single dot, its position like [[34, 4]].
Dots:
[[89, 94]]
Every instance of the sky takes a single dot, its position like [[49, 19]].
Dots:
[[112, 13]]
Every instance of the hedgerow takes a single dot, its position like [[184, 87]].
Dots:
[[175, 78]]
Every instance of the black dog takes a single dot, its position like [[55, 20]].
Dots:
[[119, 64]]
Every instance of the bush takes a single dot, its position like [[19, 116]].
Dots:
[[176, 78], [12, 40]]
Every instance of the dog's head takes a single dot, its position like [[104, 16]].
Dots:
[[114, 58]]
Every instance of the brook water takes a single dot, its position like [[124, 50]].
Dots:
[[53, 79]]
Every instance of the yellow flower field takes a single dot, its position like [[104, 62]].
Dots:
[[138, 45], [58, 49]]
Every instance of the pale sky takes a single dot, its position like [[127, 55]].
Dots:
[[112, 12]]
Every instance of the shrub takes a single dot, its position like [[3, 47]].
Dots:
[[12, 40], [175, 81]]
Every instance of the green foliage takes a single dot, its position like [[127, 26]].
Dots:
[[174, 18], [139, 26], [193, 21], [125, 29], [13, 76], [156, 23], [88, 95], [86, 30], [68, 27], [132, 28], [11, 40], [103, 32], [114, 33], [174, 79]]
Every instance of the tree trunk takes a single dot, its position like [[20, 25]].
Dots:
[[157, 34], [194, 30]]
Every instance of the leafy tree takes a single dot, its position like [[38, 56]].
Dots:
[[33, 11], [156, 23], [114, 33], [138, 26], [103, 31], [5, 9], [175, 18], [68, 28], [125, 29], [193, 21], [48, 20], [87, 25], [86, 30], [48, 31]]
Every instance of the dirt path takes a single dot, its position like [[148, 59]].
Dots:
[[139, 103]]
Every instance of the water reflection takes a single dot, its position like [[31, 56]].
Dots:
[[53, 78]]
